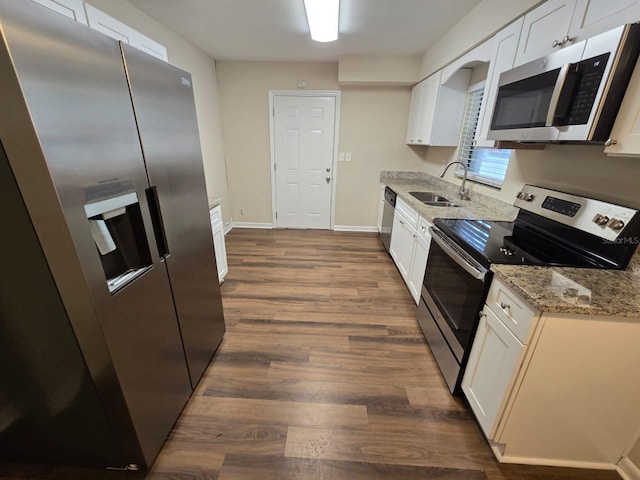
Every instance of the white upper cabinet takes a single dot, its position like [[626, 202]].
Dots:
[[414, 115], [437, 108], [73, 9], [150, 46], [505, 45], [625, 134], [544, 30], [559, 23], [100, 21], [592, 17]]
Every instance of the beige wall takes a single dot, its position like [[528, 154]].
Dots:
[[244, 99], [373, 127], [373, 123], [203, 70], [378, 70]]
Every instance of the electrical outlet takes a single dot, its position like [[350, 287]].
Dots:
[[341, 157], [347, 157]]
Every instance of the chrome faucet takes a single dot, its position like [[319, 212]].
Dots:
[[463, 194]]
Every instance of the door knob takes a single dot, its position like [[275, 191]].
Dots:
[[328, 169], [328, 179]]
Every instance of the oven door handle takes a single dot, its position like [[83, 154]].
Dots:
[[477, 273]]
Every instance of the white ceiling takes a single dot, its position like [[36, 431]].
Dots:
[[272, 30]]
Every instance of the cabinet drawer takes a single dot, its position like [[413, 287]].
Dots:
[[513, 311], [215, 214], [409, 213], [423, 227]]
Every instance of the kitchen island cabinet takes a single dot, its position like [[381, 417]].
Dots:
[[558, 389]]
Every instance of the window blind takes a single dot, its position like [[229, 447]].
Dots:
[[486, 165]]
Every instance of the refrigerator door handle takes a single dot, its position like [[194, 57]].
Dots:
[[156, 219]]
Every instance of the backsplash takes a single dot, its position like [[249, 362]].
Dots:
[[504, 208]]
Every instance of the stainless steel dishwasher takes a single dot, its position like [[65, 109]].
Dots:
[[387, 217]]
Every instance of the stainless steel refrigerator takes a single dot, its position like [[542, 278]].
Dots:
[[110, 307]]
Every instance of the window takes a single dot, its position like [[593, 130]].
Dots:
[[486, 165]]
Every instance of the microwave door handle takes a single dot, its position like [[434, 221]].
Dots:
[[557, 93]]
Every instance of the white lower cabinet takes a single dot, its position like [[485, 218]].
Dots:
[[409, 247], [491, 368], [497, 353], [217, 228], [402, 244], [419, 260]]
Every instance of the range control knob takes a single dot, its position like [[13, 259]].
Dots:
[[616, 224], [600, 219], [526, 196]]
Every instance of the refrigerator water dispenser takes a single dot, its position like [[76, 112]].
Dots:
[[118, 231]]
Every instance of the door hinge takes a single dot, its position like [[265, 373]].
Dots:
[[276, 215], [274, 167], [273, 111]]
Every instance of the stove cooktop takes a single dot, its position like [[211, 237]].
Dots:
[[509, 243]]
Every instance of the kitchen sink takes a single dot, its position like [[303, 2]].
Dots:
[[433, 199]]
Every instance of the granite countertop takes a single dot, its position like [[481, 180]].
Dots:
[[581, 291], [479, 207]]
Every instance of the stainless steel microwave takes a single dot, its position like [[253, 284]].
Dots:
[[572, 95]]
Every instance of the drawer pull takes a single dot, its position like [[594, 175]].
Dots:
[[505, 306]]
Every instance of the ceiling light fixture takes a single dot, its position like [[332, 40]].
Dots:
[[322, 16]]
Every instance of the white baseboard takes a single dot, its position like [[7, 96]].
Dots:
[[552, 462], [627, 469], [350, 228], [228, 227], [252, 225]]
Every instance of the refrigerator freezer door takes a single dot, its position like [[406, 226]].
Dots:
[[70, 80], [165, 112]]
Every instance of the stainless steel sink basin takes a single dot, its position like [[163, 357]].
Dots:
[[433, 199]]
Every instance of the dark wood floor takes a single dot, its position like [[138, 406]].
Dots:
[[323, 374]]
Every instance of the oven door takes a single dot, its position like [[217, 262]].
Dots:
[[454, 290]]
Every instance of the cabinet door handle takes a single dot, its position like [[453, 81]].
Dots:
[[505, 306], [555, 44], [567, 39], [401, 222]]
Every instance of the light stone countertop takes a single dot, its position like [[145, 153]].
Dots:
[[480, 206], [583, 291]]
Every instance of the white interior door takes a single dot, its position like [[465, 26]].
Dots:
[[303, 135]]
